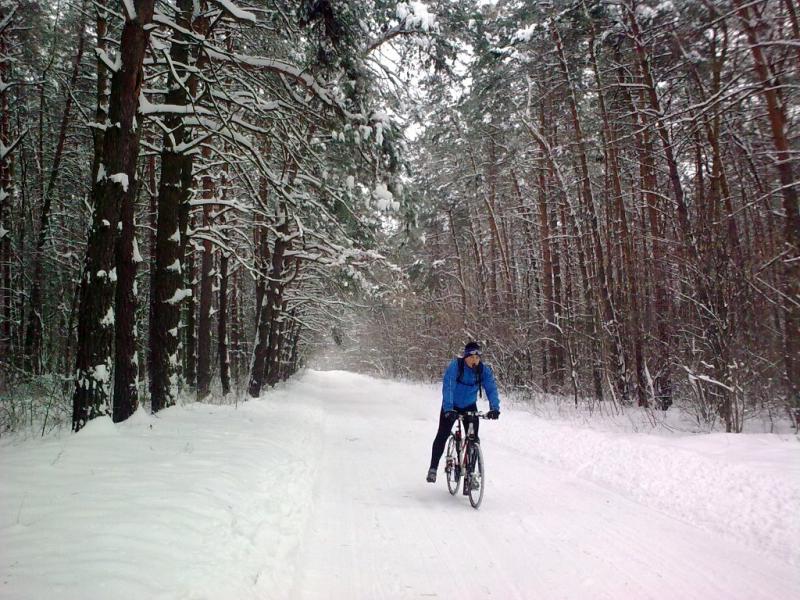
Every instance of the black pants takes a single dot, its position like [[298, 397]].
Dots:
[[445, 427]]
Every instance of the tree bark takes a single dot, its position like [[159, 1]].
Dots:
[[461, 286], [6, 190], [120, 154], [100, 115], [784, 164], [549, 359], [222, 326], [173, 194], [235, 330], [126, 367], [270, 306], [189, 333], [206, 294]]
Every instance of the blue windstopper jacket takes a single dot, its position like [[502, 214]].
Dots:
[[461, 395]]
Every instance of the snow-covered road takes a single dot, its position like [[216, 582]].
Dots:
[[318, 491], [378, 531]]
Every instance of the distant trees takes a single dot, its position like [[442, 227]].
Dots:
[[608, 196], [236, 159], [193, 193]]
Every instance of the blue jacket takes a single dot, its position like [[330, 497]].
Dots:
[[461, 395]]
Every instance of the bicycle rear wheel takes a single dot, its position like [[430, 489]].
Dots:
[[475, 480], [451, 470]]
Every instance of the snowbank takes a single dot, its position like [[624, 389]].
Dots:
[[743, 486]]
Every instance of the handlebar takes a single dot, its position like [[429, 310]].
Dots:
[[478, 414]]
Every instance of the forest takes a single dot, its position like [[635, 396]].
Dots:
[[199, 198]]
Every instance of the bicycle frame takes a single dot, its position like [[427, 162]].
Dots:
[[462, 450], [463, 441]]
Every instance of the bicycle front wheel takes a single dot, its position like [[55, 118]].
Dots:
[[475, 480], [451, 469]]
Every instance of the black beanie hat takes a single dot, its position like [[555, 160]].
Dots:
[[472, 348]]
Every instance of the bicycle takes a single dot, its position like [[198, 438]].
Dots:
[[465, 459]]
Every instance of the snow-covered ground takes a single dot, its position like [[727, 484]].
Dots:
[[317, 491]]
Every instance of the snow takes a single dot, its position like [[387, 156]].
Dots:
[[113, 65], [317, 490], [645, 13], [236, 12], [179, 296], [108, 319], [384, 199], [665, 7], [137, 256], [122, 179], [148, 108], [415, 16], [130, 9], [101, 373], [525, 34]]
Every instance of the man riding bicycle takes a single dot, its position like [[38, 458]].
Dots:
[[462, 382]]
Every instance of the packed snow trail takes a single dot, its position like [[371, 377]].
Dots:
[[377, 530], [317, 490]]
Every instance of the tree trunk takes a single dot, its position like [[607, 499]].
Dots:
[[120, 153], [236, 327], [173, 194], [206, 294], [660, 316], [277, 331], [100, 115], [6, 189], [550, 328], [270, 307], [784, 164], [461, 286], [189, 319], [527, 254], [126, 398], [487, 299], [222, 326]]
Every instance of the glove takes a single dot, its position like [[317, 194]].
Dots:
[[450, 415], [493, 414]]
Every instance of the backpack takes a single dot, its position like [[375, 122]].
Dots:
[[478, 378]]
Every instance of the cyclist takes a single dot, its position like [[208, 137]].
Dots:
[[463, 380]]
